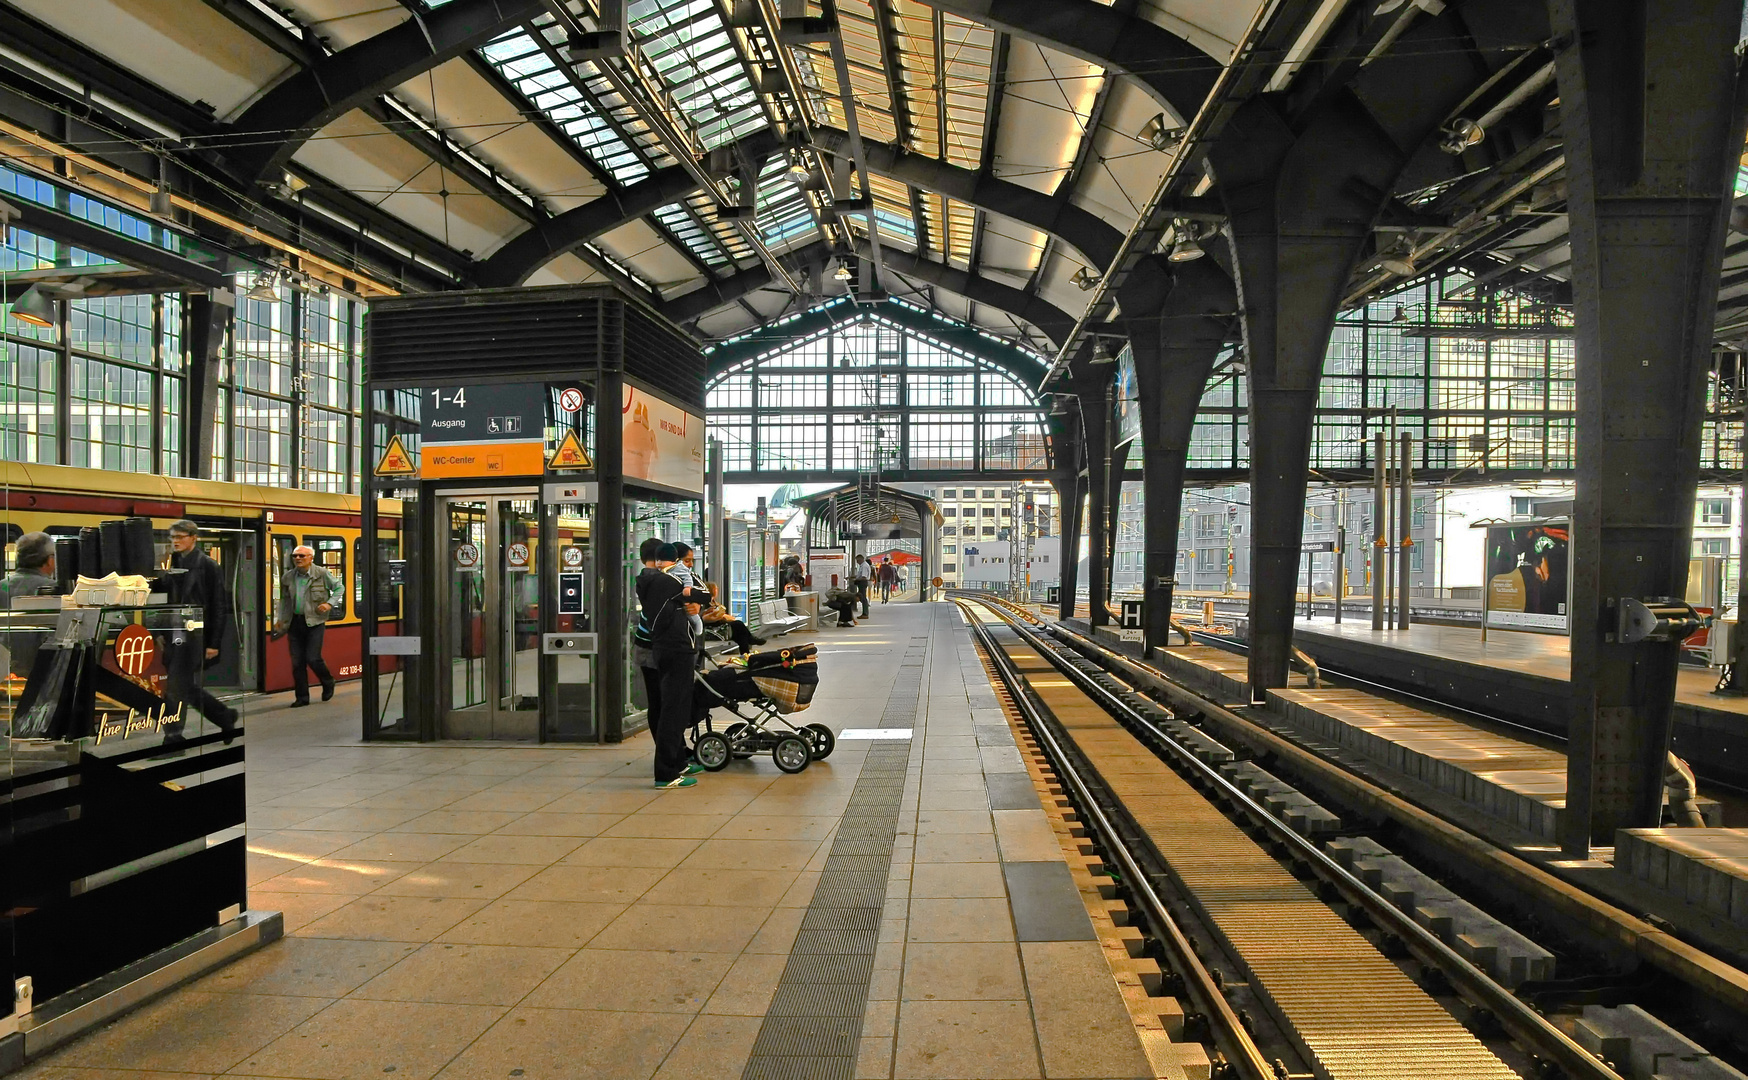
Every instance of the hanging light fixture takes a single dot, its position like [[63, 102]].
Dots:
[[1101, 355], [1085, 279], [844, 273], [1159, 135], [1401, 314], [34, 306], [1185, 247], [1399, 261], [263, 290]]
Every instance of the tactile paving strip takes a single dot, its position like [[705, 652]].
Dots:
[[1354, 1014], [814, 1025]]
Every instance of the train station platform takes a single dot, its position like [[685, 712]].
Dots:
[[1523, 679], [904, 908]]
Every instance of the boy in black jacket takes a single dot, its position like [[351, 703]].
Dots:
[[668, 629]]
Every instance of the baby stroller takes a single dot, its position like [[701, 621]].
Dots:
[[762, 689]]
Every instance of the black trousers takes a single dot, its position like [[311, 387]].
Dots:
[[306, 656], [743, 637], [862, 595], [183, 665], [669, 722]]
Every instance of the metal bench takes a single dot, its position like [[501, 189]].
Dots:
[[775, 618]]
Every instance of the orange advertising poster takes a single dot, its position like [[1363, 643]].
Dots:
[[664, 444], [444, 461]]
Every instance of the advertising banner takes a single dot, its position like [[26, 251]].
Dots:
[[1128, 399], [823, 566], [664, 444], [1528, 577]]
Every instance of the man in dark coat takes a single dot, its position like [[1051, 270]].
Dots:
[[666, 623], [202, 585]]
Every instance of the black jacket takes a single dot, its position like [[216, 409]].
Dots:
[[663, 600], [202, 586]]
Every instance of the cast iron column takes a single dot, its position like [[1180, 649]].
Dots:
[[1069, 492], [1095, 418], [609, 534], [1174, 354], [1651, 109]]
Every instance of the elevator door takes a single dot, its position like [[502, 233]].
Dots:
[[488, 591]]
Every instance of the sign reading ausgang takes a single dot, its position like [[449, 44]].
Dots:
[[486, 430]]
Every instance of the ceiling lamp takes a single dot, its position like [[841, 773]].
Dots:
[[1185, 247], [843, 272], [1401, 314], [1101, 355], [1399, 261], [1460, 136], [1085, 279], [1159, 135], [263, 290], [34, 306], [162, 205]]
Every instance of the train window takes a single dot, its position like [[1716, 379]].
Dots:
[[276, 569], [331, 556]]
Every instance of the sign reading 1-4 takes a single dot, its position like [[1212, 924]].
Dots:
[[484, 430]]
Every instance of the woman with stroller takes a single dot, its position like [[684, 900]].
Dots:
[[666, 626]]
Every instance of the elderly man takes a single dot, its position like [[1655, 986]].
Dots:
[[35, 560], [306, 593]]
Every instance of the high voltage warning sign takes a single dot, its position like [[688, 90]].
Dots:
[[570, 454], [396, 461]]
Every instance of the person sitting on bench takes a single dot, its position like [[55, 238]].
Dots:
[[717, 615]]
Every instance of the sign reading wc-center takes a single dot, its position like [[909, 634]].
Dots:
[[483, 430]]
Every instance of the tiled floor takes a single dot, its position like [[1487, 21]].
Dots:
[[466, 912]]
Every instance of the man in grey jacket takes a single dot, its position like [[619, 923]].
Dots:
[[306, 594]]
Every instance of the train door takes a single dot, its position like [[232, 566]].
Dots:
[[239, 555], [488, 614]]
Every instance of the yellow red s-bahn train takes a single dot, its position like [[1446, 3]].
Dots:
[[249, 529]]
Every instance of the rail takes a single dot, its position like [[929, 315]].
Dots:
[[1529, 1028]]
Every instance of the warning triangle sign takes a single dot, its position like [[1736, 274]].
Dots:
[[570, 454], [396, 461]]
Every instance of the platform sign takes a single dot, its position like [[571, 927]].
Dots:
[[517, 556], [490, 429], [571, 557], [1528, 577], [466, 557], [1130, 618], [1053, 594], [1315, 547]]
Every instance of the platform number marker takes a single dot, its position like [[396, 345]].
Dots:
[[570, 399], [570, 454], [1131, 616]]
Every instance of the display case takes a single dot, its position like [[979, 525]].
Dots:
[[122, 851]]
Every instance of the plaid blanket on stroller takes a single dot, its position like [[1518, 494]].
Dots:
[[787, 678]]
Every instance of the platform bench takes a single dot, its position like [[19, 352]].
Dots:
[[775, 618]]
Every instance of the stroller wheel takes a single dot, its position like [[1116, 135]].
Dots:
[[824, 742], [791, 753], [712, 751]]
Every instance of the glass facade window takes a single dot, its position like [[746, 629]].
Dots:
[[873, 394]]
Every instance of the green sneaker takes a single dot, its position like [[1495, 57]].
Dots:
[[693, 768], [678, 781]]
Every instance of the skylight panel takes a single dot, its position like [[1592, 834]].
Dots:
[[688, 48]]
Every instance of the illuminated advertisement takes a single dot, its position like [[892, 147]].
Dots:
[[664, 444], [1128, 398], [1528, 576]]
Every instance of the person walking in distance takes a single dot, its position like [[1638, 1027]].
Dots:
[[888, 578], [201, 584], [306, 594], [859, 576]]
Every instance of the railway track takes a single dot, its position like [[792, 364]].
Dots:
[[1294, 965]]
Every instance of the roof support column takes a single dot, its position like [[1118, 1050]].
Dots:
[[207, 320], [1652, 112], [1070, 490], [1095, 417], [1174, 354], [1298, 223]]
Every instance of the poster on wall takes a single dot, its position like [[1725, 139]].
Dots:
[[823, 566], [1528, 576], [664, 444]]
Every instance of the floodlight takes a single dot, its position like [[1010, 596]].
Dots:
[[34, 306]]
